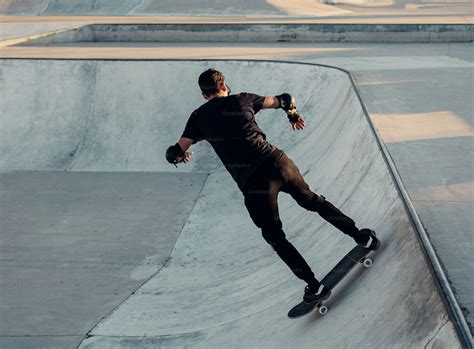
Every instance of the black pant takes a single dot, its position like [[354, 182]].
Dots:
[[279, 173]]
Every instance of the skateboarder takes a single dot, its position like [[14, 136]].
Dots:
[[260, 169]]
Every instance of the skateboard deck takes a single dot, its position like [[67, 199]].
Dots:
[[355, 256]]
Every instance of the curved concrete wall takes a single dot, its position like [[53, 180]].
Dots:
[[224, 286]]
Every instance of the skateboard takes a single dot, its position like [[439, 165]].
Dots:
[[358, 255]]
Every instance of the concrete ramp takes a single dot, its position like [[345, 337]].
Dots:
[[223, 286]]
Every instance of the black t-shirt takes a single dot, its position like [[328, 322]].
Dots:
[[228, 124]]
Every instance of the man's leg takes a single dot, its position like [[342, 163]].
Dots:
[[261, 200], [295, 185]]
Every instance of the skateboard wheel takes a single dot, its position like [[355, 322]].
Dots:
[[367, 262], [323, 310]]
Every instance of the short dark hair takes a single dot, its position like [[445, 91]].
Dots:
[[210, 80]]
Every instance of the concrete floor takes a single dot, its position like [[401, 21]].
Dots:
[[75, 245]]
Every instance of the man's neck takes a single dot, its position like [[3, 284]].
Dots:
[[217, 95]]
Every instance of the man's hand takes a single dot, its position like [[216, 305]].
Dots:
[[298, 125], [297, 122], [177, 153], [186, 157]]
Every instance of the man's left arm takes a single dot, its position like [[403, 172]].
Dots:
[[287, 103], [271, 102]]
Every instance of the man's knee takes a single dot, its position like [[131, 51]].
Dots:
[[274, 235], [312, 201], [318, 201]]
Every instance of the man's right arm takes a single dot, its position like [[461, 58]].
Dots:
[[177, 153], [185, 143]]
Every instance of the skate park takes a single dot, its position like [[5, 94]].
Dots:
[[108, 246]]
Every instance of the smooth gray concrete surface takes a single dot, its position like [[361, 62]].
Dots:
[[74, 245], [30, 30], [40, 342], [446, 227], [210, 7], [136, 7], [250, 8], [214, 291], [85, 7], [436, 164]]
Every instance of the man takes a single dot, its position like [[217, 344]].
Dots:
[[260, 169]]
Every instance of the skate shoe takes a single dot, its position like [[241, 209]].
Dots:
[[316, 295], [368, 239]]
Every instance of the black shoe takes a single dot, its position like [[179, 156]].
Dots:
[[316, 295], [368, 239]]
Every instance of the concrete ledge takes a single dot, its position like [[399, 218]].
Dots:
[[262, 33], [34, 37]]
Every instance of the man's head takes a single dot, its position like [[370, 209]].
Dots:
[[212, 84]]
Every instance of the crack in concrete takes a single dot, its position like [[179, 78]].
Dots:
[[434, 336], [88, 334]]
